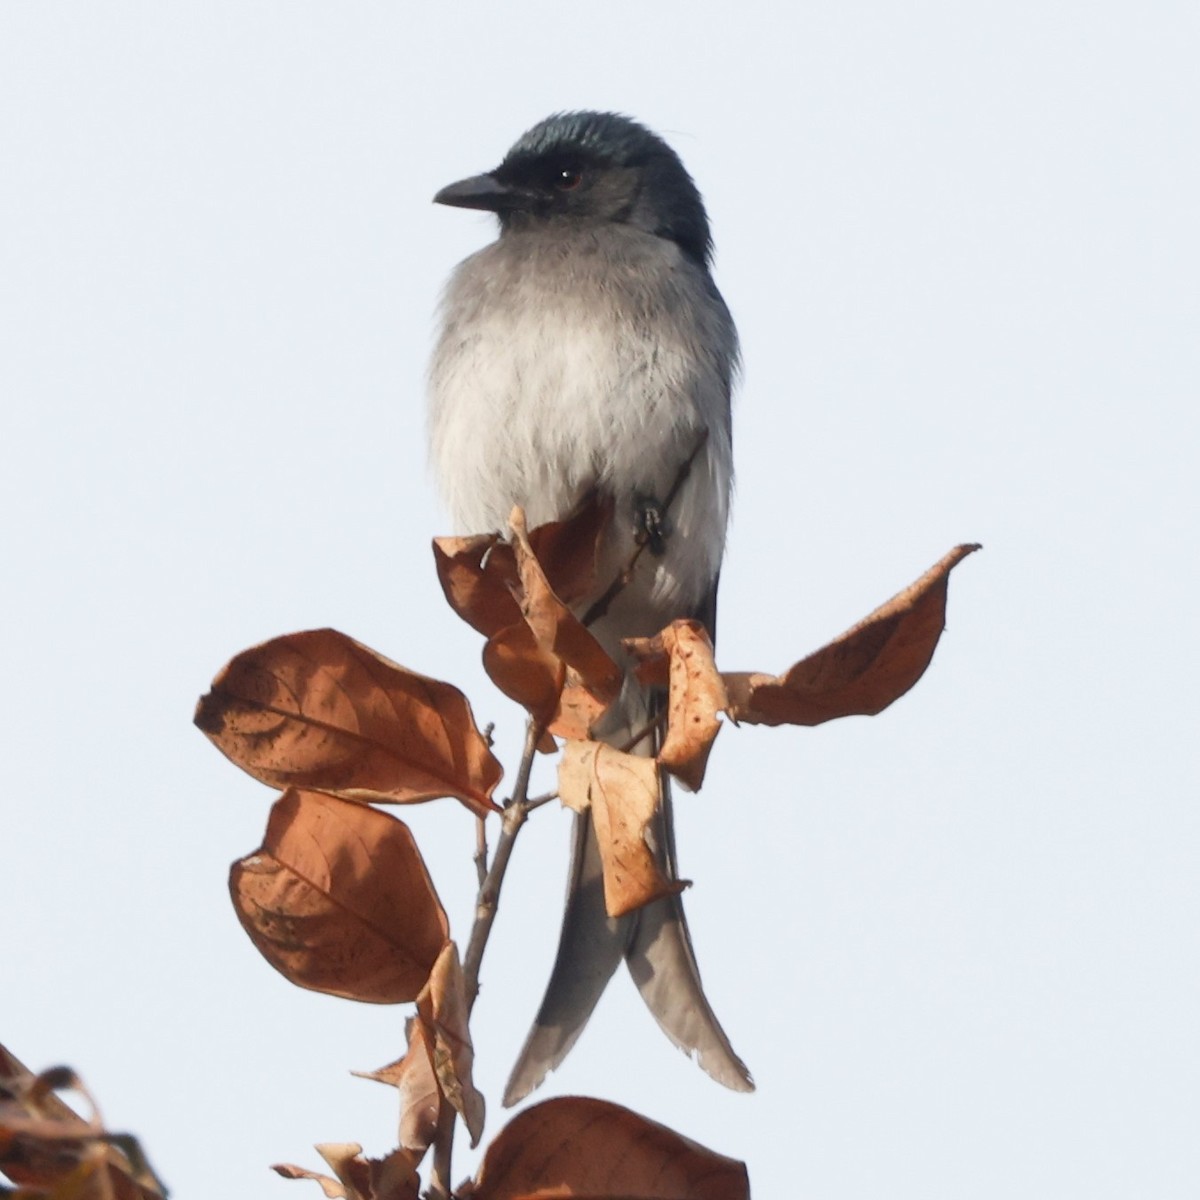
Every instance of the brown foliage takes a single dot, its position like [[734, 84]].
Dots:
[[538, 653], [436, 1069], [47, 1149], [393, 1177], [622, 790], [338, 900], [577, 1146], [681, 656], [861, 672], [319, 710]]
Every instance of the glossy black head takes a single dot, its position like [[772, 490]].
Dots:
[[591, 168]]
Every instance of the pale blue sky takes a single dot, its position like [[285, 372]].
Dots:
[[957, 944]]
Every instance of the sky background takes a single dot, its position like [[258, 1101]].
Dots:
[[956, 943]]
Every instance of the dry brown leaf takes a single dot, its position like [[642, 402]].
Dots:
[[319, 710], [438, 1064], [556, 627], [696, 693], [478, 574], [516, 594], [48, 1148], [442, 1007], [414, 1078], [548, 651], [622, 792], [525, 671], [859, 673], [578, 710], [569, 550], [358, 1178], [338, 900], [585, 1147]]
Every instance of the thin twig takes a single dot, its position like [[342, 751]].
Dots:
[[601, 606], [481, 849], [487, 902], [490, 880], [443, 1147], [651, 726], [538, 801]]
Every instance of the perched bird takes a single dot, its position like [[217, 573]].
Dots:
[[588, 352]]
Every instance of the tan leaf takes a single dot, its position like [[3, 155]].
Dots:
[[556, 627], [319, 710], [861, 672], [442, 1007], [525, 671], [535, 659], [391, 1178], [577, 1146], [569, 550], [578, 710], [420, 1097], [478, 574], [338, 900], [696, 694], [622, 792], [47, 1148]]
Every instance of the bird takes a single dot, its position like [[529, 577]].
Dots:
[[587, 353]]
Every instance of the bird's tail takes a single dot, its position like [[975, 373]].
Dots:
[[653, 940]]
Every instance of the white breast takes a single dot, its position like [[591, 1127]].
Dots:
[[588, 361]]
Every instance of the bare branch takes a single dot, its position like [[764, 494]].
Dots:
[[481, 850], [515, 812]]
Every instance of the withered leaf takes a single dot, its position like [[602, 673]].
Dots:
[[338, 900], [525, 671], [320, 710], [859, 673], [577, 1146], [391, 1178], [555, 626], [622, 791], [442, 1008], [548, 650], [47, 1148], [478, 574], [696, 694]]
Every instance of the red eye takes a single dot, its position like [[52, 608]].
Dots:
[[567, 181]]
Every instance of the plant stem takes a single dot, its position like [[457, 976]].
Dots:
[[443, 1148], [491, 878], [515, 812]]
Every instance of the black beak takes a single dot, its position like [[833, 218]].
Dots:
[[482, 191]]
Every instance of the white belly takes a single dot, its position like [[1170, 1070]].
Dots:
[[547, 382]]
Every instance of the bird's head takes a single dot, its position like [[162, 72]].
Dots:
[[588, 169]]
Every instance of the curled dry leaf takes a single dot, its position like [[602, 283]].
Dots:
[[622, 790], [561, 649], [338, 900], [414, 1078], [46, 1148], [517, 594], [861, 672], [437, 1067], [358, 1178], [696, 694], [577, 1146], [319, 710], [478, 574], [442, 1007], [526, 672]]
